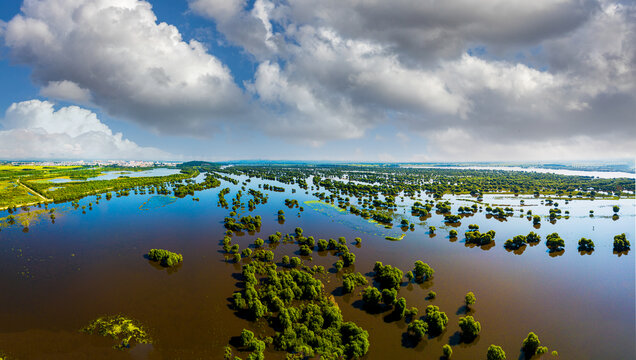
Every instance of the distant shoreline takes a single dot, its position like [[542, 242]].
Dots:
[[592, 173]]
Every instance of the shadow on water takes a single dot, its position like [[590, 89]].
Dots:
[[621, 253], [458, 339], [518, 251], [556, 253], [373, 310], [391, 317], [339, 291], [410, 342]]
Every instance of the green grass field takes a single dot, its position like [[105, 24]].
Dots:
[[12, 193]]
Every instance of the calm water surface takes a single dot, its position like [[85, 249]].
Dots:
[[56, 278], [111, 175]]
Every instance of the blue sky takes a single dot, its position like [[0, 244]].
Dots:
[[335, 80]]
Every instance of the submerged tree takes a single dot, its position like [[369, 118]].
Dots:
[[470, 327], [554, 242], [532, 346], [586, 245], [470, 299], [621, 243], [418, 328], [495, 353], [165, 257], [436, 320], [447, 350]]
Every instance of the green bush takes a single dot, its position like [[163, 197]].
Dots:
[[586, 245], [165, 257], [554, 242], [388, 276], [621, 243], [447, 350], [470, 298], [495, 353], [418, 328], [436, 320], [470, 328], [371, 296]]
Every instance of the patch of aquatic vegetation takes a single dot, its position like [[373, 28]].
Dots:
[[165, 258], [159, 201], [127, 331], [396, 238], [25, 219], [312, 204], [354, 222]]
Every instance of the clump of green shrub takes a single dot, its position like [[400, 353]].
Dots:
[[127, 331], [164, 257]]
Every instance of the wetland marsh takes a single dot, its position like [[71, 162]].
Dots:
[[89, 262]]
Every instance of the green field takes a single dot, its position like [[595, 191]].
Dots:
[[13, 193], [29, 185]]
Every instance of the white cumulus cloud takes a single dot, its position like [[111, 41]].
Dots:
[[35, 130], [500, 73], [132, 66]]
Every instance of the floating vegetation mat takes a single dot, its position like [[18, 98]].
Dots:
[[157, 201], [368, 226], [396, 238], [26, 219], [129, 332]]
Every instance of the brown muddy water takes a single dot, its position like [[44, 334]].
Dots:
[[56, 278]]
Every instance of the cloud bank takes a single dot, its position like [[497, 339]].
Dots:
[[35, 130], [469, 78], [485, 76], [115, 54]]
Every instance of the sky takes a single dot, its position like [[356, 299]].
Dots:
[[342, 80]]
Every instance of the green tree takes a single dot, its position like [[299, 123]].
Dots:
[[387, 275], [422, 271], [400, 308], [495, 353], [531, 344], [294, 262], [436, 320], [470, 328], [447, 350], [554, 242], [470, 299], [355, 340], [246, 337], [533, 238], [516, 242], [371, 296], [586, 245], [389, 296], [621, 243], [418, 328], [339, 265], [167, 258]]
